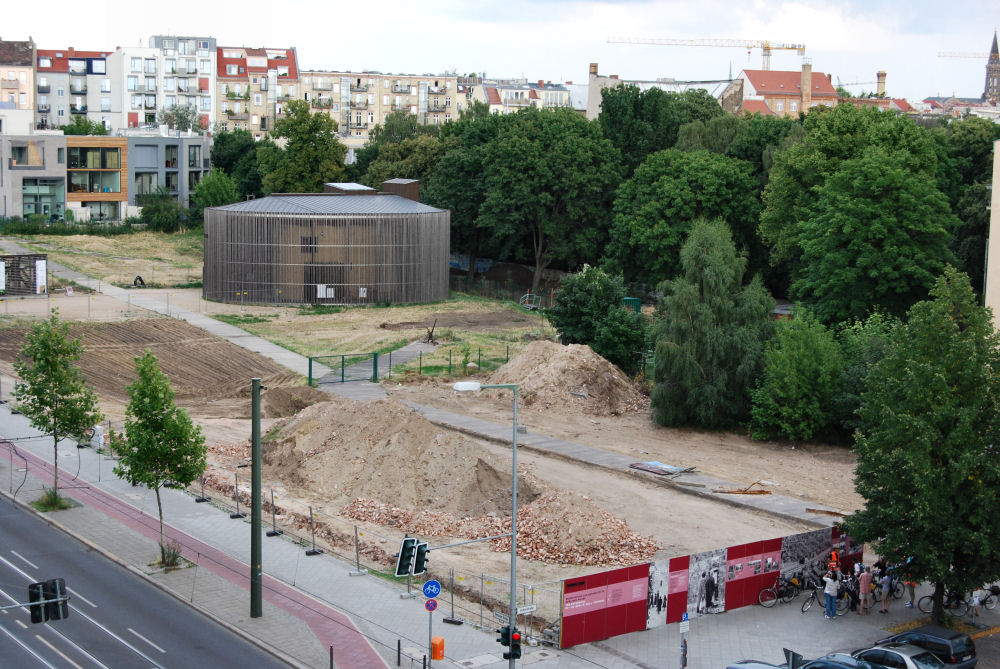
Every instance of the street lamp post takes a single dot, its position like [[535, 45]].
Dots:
[[472, 386]]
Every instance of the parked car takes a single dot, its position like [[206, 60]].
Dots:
[[898, 655], [955, 649], [837, 661], [753, 664]]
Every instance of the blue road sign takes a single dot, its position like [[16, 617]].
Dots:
[[432, 588], [684, 617], [431, 604]]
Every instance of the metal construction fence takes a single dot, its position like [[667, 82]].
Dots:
[[447, 359], [499, 290]]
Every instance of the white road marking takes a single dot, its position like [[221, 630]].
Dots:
[[26, 560], [21, 623], [57, 651], [27, 649], [83, 599], [146, 640]]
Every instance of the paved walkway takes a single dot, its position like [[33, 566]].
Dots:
[[312, 603]]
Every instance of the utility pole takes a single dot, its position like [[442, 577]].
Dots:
[[256, 593]]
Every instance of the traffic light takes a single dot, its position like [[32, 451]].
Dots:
[[404, 561], [504, 638], [56, 589], [420, 559], [35, 594], [515, 645]]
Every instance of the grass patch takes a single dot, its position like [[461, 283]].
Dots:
[[51, 500], [244, 319]]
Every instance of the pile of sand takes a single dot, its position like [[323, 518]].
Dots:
[[340, 451], [552, 375]]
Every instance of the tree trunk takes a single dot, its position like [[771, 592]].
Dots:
[[55, 464], [159, 508], [937, 612]]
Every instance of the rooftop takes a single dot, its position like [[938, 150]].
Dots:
[[331, 204]]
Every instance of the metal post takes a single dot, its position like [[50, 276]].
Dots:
[[513, 524], [274, 531], [482, 592], [375, 367], [342, 368], [310, 371], [331, 656], [256, 575], [202, 498], [420, 368], [168, 304], [399, 652], [358, 571], [452, 620], [312, 527], [430, 634], [236, 494], [449, 362]]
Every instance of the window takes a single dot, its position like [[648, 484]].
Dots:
[[22, 99], [61, 110], [203, 44], [183, 48], [191, 66], [43, 82], [793, 106], [22, 77], [168, 44], [105, 104], [255, 119], [256, 99], [781, 105], [61, 155], [194, 156], [132, 82], [150, 66], [77, 66], [145, 183], [136, 101], [336, 88], [151, 83], [98, 66], [169, 65], [231, 70], [136, 65], [182, 85], [105, 85], [385, 99], [44, 61], [447, 102], [205, 66], [282, 70], [336, 106], [205, 103], [170, 156], [43, 100], [171, 181], [60, 91], [170, 101]]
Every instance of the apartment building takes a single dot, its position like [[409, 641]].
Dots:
[[783, 93], [17, 96], [507, 96], [358, 101], [33, 175], [69, 83], [252, 86], [175, 161], [97, 177]]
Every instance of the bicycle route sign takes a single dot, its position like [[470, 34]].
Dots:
[[432, 589]]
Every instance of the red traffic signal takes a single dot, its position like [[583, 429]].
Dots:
[[516, 636]]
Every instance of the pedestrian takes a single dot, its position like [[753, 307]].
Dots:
[[911, 589], [865, 586], [886, 584], [976, 600], [830, 591]]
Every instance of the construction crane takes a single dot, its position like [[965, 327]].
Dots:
[[978, 55], [765, 45]]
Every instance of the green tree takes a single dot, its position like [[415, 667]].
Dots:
[[160, 445], [235, 153], [311, 156], [928, 462], [655, 209], [714, 135], [408, 159], [52, 391], [877, 237], [549, 182], [397, 127], [803, 368], [639, 123], [81, 125], [863, 344], [180, 117], [215, 190], [588, 310], [710, 334], [161, 211]]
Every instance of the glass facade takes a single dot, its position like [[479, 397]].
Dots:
[[44, 196]]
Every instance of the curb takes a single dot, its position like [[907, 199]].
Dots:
[[246, 636]]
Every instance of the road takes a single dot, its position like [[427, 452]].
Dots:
[[116, 618]]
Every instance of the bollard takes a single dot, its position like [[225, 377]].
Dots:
[[399, 652], [482, 587], [197, 499], [274, 531], [420, 368], [331, 656], [312, 528], [236, 494]]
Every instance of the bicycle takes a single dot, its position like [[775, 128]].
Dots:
[[819, 596], [992, 596], [783, 590], [954, 603]]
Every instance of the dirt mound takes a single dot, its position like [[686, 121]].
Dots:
[[281, 398], [341, 450], [552, 375]]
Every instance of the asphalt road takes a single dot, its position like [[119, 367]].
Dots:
[[116, 618]]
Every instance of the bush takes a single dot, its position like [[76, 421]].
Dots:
[[588, 310], [802, 374], [161, 212]]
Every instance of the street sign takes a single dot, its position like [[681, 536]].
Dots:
[[432, 588], [684, 617], [431, 604], [528, 608], [502, 617], [685, 626]]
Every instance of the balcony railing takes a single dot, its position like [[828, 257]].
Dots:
[[359, 105], [44, 88], [78, 90], [359, 126], [360, 88], [400, 89], [241, 116], [44, 109], [436, 90], [8, 83], [323, 87], [149, 105], [78, 109], [400, 107]]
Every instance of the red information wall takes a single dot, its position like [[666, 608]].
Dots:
[[646, 596]]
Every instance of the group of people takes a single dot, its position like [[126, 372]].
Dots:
[[859, 584]]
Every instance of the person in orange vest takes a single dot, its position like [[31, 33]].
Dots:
[[834, 563]]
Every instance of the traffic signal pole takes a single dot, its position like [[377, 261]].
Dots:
[[256, 575]]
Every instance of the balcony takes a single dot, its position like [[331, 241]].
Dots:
[[78, 90], [241, 116], [400, 107], [44, 109], [360, 88], [322, 87], [322, 103], [8, 83], [400, 89], [436, 90], [232, 95], [358, 126], [78, 109], [44, 88], [359, 105], [149, 105]]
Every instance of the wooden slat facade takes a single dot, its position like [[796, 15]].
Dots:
[[269, 258]]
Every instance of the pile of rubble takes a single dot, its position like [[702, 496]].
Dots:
[[552, 375]]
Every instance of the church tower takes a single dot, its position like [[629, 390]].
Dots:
[[992, 92]]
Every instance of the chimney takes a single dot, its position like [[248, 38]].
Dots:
[[541, 83], [593, 69], [806, 87], [880, 83]]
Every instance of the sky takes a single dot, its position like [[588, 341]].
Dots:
[[556, 40]]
